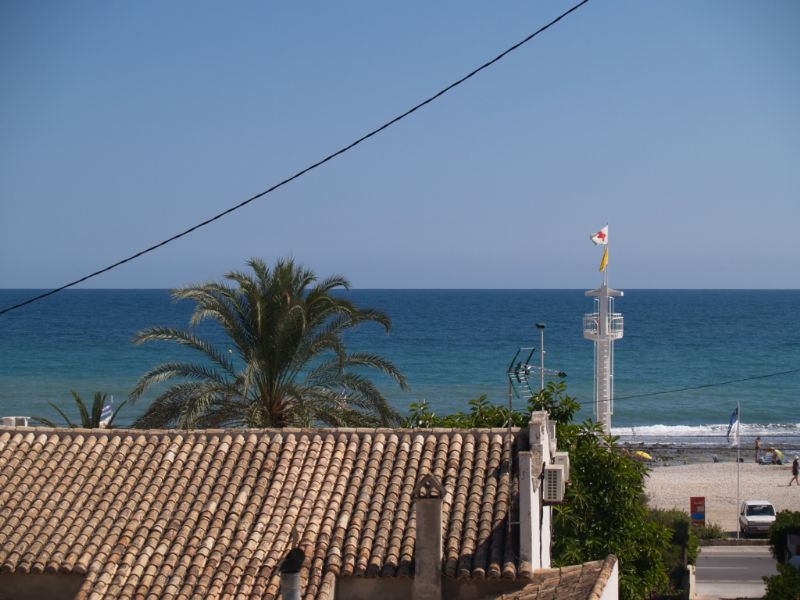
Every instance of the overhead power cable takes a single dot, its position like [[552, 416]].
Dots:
[[706, 385], [303, 171]]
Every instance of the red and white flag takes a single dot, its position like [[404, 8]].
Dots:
[[601, 237]]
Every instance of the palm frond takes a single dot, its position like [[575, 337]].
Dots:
[[232, 412], [344, 417], [43, 421], [327, 285], [114, 414], [64, 416], [181, 405], [364, 395], [97, 408], [185, 338], [192, 412], [166, 371], [86, 420], [225, 305], [375, 361]]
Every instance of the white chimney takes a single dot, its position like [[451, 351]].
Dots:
[[290, 574]]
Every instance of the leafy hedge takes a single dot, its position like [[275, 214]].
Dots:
[[786, 522], [684, 546], [786, 584], [605, 513], [711, 531]]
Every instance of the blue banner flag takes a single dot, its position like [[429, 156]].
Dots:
[[734, 419]]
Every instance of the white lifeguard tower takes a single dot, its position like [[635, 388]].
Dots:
[[603, 327]]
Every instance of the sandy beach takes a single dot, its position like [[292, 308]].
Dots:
[[680, 473]]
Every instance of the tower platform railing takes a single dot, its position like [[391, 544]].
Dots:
[[615, 326]]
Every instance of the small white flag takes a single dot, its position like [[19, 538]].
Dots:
[[107, 413], [601, 237]]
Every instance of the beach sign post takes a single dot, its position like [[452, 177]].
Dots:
[[697, 508]]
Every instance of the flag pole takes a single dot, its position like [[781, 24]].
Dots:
[[606, 253], [738, 463]]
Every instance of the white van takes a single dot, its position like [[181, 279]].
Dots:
[[756, 516]]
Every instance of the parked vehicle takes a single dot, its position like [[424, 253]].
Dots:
[[756, 516]]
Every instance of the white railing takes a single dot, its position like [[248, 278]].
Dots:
[[615, 325]]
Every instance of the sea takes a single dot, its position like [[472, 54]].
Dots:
[[688, 358]]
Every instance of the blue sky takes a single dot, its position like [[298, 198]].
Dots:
[[676, 122]]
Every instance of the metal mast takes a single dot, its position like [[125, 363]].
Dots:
[[603, 327]]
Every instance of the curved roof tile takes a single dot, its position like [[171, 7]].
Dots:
[[175, 514]]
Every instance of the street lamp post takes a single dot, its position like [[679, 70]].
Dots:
[[540, 327]]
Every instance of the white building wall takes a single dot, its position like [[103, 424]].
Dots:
[[542, 435], [611, 591], [546, 528], [529, 523]]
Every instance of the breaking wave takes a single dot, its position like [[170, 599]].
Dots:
[[712, 434]]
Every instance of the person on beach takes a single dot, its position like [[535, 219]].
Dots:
[[795, 470], [758, 446]]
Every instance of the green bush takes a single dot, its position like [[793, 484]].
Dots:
[[684, 546], [785, 585], [482, 413], [605, 513], [787, 522], [673, 595], [711, 531]]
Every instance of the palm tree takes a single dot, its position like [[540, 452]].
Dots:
[[288, 365], [90, 419]]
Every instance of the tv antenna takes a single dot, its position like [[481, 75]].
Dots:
[[522, 372]]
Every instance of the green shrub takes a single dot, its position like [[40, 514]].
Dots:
[[684, 546], [482, 413], [787, 522], [785, 585], [673, 595], [605, 513], [711, 531]]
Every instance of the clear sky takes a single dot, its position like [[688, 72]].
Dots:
[[677, 122]]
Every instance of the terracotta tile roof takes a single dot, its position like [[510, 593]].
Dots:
[[576, 582], [173, 514]]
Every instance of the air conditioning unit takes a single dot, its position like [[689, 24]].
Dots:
[[562, 458], [553, 485]]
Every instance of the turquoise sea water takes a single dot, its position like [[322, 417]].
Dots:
[[454, 345]]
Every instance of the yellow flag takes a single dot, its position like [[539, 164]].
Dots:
[[604, 262]]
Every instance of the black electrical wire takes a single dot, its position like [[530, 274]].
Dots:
[[304, 171], [706, 385]]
